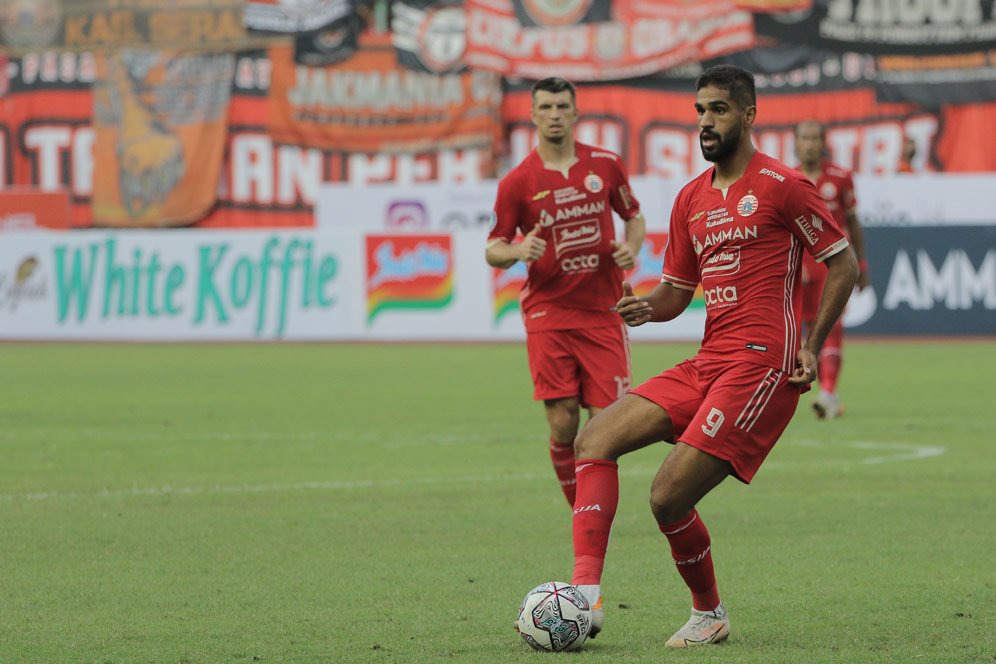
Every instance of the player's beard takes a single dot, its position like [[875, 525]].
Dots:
[[726, 144]]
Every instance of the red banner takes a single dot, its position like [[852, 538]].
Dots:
[[643, 38], [369, 103], [656, 133]]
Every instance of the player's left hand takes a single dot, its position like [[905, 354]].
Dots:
[[623, 255], [805, 370]]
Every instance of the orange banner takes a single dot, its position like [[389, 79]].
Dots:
[[160, 122], [369, 103]]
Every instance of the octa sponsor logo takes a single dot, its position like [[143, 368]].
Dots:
[[721, 295], [576, 263]]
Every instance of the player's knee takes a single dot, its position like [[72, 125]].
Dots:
[[667, 506]]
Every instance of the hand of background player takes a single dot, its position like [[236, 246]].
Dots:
[[532, 246], [635, 311], [623, 255], [805, 370]]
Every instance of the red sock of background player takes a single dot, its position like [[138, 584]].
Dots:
[[829, 369], [594, 510], [691, 550], [562, 456]]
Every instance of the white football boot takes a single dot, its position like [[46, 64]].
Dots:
[[703, 628]]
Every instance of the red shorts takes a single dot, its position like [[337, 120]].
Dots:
[[591, 364], [732, 410]]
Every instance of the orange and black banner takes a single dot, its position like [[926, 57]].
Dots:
[[160, 120], [86, 25], [642, 38], [369, 103]]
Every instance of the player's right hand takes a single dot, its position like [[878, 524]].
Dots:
[[532, 246], [635, 311]]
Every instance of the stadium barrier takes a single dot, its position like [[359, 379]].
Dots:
[[406, 263]]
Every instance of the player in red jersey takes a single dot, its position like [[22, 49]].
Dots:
[[837, 188], [740, 230], [561, 198]]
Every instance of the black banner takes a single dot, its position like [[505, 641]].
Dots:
[[932, 80], [429, 35], [871, 26]]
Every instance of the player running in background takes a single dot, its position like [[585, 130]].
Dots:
[[837, 188], [740, 229], [561, 198]]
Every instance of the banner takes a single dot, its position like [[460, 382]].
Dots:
[[643, 37], [160, 120], [90, 25], [867, 26], [939, 280], [25, 208], [429, 35], [655, 130], [370, 104], [956, 78], [294, 16]]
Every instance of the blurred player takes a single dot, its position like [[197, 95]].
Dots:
[[837, 188], [906, 159], [740, 230], [561, 198]]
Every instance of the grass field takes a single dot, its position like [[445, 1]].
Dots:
[[333, 503]]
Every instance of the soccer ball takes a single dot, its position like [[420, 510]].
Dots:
[[554, 616]]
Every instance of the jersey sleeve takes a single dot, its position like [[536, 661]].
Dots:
[[806, 215], [507, 212], [681, 265], [621, 196]]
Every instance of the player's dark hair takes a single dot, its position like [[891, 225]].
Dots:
[[554, 84], [738, 82], [819, 125]]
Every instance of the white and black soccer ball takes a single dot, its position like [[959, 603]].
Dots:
[[554, 616]]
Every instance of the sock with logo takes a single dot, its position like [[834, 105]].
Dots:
[[562, 456], [691, 550], [594, 510], [831, 357]]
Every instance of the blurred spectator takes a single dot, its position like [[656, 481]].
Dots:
[[906, 158]]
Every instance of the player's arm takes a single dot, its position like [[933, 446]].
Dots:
[[842, 273], [503, 254], [665, 302], [857, 236], [625, 253]]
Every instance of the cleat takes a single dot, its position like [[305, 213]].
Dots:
[[827, 406], [597, 618], [703, 628]]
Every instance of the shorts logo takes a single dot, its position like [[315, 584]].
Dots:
[[747, 205], [577, 234], [542, 194], [593, 183]]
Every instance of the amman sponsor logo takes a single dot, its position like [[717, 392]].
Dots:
[[408, 272], [546, 219], [581, 210], [739, 233], [577, 234]]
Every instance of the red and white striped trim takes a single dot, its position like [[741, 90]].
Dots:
[[758, 401], [791, 330], [678, 282], [834, 248]]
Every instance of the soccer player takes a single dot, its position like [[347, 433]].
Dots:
[[837, 188], [740, 230], [561, 198]]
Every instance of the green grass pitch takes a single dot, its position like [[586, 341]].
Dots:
[[367, 503]]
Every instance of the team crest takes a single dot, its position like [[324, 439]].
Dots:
[[829, 190], [593, 183], [747, 205]]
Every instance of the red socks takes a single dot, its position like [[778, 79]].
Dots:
[[562, 456], [831, 358], [690, 548], [594, 510]]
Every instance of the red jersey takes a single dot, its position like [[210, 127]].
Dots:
[[836, 186], [575, 282], [745, 246]]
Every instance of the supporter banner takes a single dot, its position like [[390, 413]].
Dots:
[[26, 208], [760, 6], [654, 130], [87, 25], [294, 16], [931, 80], [160, 120], [928, 281], [562, 39], [429, 35], [370, 104], [866, 26]]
